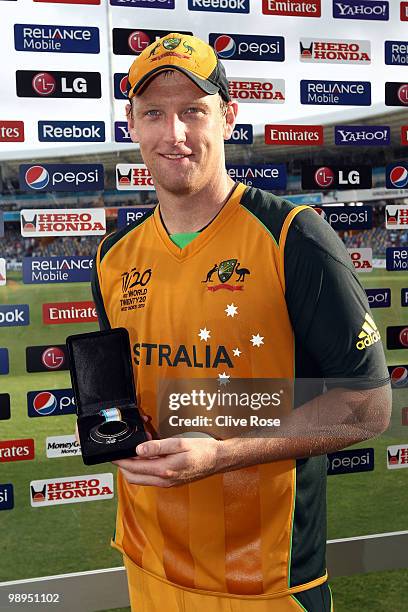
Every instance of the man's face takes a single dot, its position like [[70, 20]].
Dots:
[[181, 132]]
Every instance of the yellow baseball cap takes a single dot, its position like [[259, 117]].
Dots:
[[182, 52]]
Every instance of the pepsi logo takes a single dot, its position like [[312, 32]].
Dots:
[[37, 177], [45, 403], [320, 212], [53, 358], [44, 84], [399, 177], [403, 337], [138, 41], [402, 93], [225, 46], [123, 86], [324, 177], [399, 376]]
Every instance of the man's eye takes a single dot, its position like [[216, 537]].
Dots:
[[193, 110], [152, 113]]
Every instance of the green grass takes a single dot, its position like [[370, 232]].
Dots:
[[75, 537]]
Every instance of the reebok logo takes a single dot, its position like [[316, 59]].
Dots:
[[369, 334]]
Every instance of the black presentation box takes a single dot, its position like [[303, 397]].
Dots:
[[102, 379]]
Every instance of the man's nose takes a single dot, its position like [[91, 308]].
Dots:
[[175, 129]]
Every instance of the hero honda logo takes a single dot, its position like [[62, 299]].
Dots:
[[58, 38], [133, 176], [362, 258], [361, 9], [71, 489], [355, 93], [261, 90], [244, 47], [63, 222], [397, 456], [222, 6], [333, 51], [294, 8], [263, 176], [50, 403], [396, 217], [33, 83], [61, 177]]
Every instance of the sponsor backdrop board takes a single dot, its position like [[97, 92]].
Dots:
[[62, 87]]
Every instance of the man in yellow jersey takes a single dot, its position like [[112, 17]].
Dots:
[[228, 281]]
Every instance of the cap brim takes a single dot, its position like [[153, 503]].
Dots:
[[204, 85]]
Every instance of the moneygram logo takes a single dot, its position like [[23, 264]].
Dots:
[[62, 446], [361, 9], [221, 6], [69, 312], [331, 51], [163, 4], [14, 314], [350, 461], [355, 93], [11, 131], [50, 403], [17, 450], [245, 47], [362, 135], [51, 84], [57, 38], [294, 134], [263, 176], [336, 177], [74, 269], [61, 177], [71, 131], [396, 217], [130, 177], [63, 222], [261, 90], [362, 259], [396, 176], [294, 8], [379, 298], [71, 489]]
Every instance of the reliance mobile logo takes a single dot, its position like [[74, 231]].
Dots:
[[396, 259], [332, 51], [350, 461], [71, 489], [396, 175], [362, 259], [58, 38], [17, 450], [130, 215], [40, 270], [219, 6], [11, 131], [263, 176], [14, 315], [51, 84], [261, 90], [361, 9], [248, 47], [294, 8], [396, 216], [163, 4], [131, 177], [362, 135], [397, 456], [69, 312], [354, 93], [396, 52], [50, 403], [379, 298], [61, 177], [63, 222], [294, 134], [71, 131]]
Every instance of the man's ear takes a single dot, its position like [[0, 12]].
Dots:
[[230, 119], [131, 123]]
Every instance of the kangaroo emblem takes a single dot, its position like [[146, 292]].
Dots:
[[188, 48], [153, 51], [210, 273]]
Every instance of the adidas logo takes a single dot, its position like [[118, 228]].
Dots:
[[369, 334]]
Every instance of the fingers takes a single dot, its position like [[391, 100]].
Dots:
[[167, 446]]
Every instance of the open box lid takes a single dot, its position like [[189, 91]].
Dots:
[[101, 370]]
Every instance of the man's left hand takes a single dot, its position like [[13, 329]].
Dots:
[[171, 462]]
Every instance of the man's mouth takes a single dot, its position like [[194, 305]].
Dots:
[[175, 156]]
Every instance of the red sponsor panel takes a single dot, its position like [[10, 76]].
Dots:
[[404, 11], [293, 134], [404, 415], [69, 312], [404, 135], [11, 131], [294, 8], [17, 450]]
